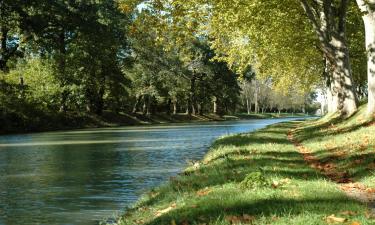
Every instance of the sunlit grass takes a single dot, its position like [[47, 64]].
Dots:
[[210, 191]]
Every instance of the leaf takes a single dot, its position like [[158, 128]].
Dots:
[[348, 213], [355, 223], [166, 210], [333, 219], [232, 219], [204, 192], [245, 218], [275, 184]]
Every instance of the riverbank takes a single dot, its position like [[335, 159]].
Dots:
[[15, 123], [313, 172]]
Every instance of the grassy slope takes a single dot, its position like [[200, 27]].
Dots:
[[348, 144], [210, 191]]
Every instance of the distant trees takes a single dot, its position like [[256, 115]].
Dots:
[[247, 33], [61, 57], [259, 97]]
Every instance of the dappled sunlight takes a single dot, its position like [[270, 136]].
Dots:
[[210, 191]]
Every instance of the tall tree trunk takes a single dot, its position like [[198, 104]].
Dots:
[[188, 107], [344, 88], [144, 108], [193, 99], [215, 106], [6, 52], [174, 107], [169, 104], [135, 107], [248, 105], [149, 110], [329, 22], [61, 71], [331, 102], [256, 97], [368, 10], [193, 110]]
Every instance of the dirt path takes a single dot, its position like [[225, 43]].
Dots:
[[354, 190]]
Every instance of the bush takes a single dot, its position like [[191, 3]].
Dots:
[[255, 180]]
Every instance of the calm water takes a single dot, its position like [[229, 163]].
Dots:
[[81, 177]]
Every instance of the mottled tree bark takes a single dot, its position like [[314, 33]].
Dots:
[[330, 25], [367, 8]]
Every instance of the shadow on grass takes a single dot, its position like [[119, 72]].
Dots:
[[231, 160], [271, 208], [333, 125]]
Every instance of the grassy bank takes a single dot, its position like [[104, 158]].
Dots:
[[42, 121], [264, 178]]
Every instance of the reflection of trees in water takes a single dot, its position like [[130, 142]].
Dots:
[[57, 183]]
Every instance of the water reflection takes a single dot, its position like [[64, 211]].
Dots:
[[81, 177]]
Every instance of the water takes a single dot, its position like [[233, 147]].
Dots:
[[80, 177]]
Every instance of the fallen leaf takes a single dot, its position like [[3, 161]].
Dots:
[[166, 210], [245, 218], [355, 223], [232, 219], [203, 192], [275, 184], [248, 218], [333, 219], [275, 218], [348, 213]]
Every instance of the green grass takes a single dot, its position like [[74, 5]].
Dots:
[[349, 144], [213, 192]]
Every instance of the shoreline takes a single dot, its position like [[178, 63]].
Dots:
[[112, 120], [264, 178]]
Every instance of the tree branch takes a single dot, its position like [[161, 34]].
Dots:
[[342, 17]]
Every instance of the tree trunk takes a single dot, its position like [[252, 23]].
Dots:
[[148, 111], [192, 96], [61, 71], [215, 107], [188, 107], [135, 107], [256, 97], [174, 107], [248, 106], [369, 20], [344, 88], [169, 104], [193, 110], [330, 26], [144, 108]]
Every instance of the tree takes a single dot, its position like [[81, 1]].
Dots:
[[329, 21], [368, 10]]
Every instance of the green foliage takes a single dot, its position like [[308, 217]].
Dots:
[[255, 180], [39, 84]]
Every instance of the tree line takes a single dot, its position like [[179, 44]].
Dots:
[[301, 44], [72, 57]]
